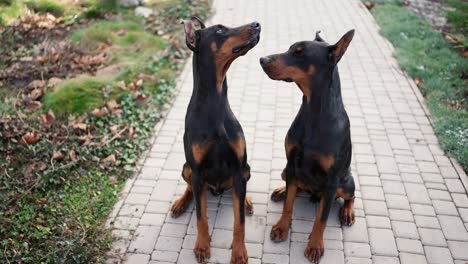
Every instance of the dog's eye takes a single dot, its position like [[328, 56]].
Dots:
[[298, 51]]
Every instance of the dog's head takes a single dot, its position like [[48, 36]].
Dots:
[[225, 44], [306, 60]]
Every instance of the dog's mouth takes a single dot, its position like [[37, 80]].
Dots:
[[287, 80], [248, 45]]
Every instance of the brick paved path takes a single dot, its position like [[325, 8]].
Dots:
[[411, 205]]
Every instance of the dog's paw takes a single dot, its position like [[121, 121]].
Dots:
[[279, 232], [179, 207], [249, 210], [347, 216], [314, 250], [279, 194], [202, 251], [239, 255]]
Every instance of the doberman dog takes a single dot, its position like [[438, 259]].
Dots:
[[318, 143], [214, 143]]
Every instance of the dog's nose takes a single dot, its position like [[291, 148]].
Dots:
[[264, 61], [255, 25]]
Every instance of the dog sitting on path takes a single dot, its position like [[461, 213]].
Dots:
[[318, 143], [214, 143]]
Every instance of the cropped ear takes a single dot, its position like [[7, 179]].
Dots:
[[190, 34], [317, 36], [338, 50], [202, 26]]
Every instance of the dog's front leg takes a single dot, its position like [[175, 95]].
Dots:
[[202, 245], [279, 232], [315, 249], [239, 251]]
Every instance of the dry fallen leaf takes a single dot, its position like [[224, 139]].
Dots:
[[110, 159], [36, 93], [30, 138], [100, 112], [72, 155], [369, 5], [142, 99], [81, 126], [130, 132], [57, 156], [114, 129], [418, 82], [122, 85], [36, 84], [32, 106]]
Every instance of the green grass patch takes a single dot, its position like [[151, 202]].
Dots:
[[10, 11], [79, 96], [127, 40], [46, 6], [424, 54], [459, 16]]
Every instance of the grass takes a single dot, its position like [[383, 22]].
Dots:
[[81, 95], [459, 16], [424, 54], [132, 45], [46, 6]]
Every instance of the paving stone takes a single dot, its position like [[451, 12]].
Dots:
[[330, 256], [432, 237], [186, 256], [444, 207], [378, 221], [420, 209], [460, 200], [254, 250], [221, 238], [152, 219], [385, 260], [409, 245], [144, 239], [274, 247], [162, 255], [164, 190], [352, 249], [397, 202], [275, 258], [137, 198], [455, 186], [438, 255], [458, 249], [408, 258], [452, 227], [375, 208], [417, 193], [372, 193], [174, 230], [356, 233], [427, 221], [386, 165], [401, 215], [405, 229], [393, 187], [353, 260], [137, 258], [382, 242], [439, 195], [169, 243]]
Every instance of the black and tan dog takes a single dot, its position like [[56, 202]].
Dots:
[[318, 143], [215, 148]]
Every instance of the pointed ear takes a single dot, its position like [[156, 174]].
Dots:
[[338, 50], [317, 36], [190, 35]]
